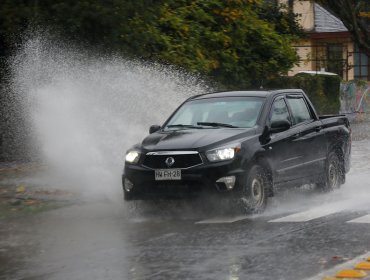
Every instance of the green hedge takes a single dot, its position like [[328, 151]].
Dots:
[[323, 90]]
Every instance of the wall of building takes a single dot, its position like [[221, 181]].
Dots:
[[313, 56], [313, 52], [351, 49], [304, 51], [306, 11]]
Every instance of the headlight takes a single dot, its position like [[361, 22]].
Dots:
[[224, 153], [132, 156]]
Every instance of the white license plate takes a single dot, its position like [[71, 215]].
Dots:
[[168, 174]]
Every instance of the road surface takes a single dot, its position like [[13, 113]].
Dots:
[[302, 235]]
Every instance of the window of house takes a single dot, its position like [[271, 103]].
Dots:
[[361, 65], [335, 62]]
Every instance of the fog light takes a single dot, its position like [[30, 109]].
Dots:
[[128, 185], [229, 182]]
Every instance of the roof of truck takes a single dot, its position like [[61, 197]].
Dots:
[[252, 93]]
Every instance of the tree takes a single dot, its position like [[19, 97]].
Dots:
[[355, 15], [226, 40], [238, 43]]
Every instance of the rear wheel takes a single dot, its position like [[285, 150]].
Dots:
[[334, 174], [253, 194]]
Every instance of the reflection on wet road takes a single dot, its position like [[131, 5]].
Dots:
[[301, 235]]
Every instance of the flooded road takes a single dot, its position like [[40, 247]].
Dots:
[[302, 235]]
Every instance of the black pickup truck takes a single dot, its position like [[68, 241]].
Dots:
[[240, 145]]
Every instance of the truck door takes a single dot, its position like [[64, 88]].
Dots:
[[283, 151], [311, 136]]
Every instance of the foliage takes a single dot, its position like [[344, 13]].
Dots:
[[225, 40], [283, 18], [355, 15], [323, 90], [237, 43], [90, 21]]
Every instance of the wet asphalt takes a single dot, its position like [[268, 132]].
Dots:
[[108, 239]]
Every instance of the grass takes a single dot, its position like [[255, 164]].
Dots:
[[12, 208]]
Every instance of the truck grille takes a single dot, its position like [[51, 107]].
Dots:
[[182, 159]]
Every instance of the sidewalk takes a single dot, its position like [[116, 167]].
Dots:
[[23, 192]]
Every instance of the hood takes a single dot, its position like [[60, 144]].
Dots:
[[185, 139]]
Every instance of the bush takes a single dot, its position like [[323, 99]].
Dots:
[[323, 90]]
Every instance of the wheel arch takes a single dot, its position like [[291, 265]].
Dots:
[[263, 163]]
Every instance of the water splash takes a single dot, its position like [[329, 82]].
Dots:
[[84, 111]]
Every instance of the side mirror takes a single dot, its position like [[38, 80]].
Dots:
[[279, 126], [265, 136], [154, 128]]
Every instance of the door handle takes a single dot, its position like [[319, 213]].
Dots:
[[318, 128], [297, 135]]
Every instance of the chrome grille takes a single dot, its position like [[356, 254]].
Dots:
[[182, 159]]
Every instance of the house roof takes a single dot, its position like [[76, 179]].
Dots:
[[327, 22]]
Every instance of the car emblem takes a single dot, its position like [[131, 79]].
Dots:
[[170, 161]]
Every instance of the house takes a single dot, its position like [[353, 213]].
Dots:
[[328, 45]]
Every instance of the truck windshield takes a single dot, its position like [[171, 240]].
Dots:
[[228, 112]]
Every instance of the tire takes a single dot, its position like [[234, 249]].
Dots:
[[254, 192], [334, 174]]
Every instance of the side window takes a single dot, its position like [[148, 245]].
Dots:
[[279, 111], [300, 112]]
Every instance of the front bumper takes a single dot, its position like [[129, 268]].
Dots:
[[194, 181]]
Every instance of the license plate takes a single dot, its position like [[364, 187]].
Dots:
[[168, 174]]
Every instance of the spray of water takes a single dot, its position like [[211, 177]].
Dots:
[[84, 111]]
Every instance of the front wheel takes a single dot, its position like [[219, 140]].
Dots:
[[253, 194], [334, 174]]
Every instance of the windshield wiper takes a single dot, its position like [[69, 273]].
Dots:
[[215, 124], [184, 125]]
